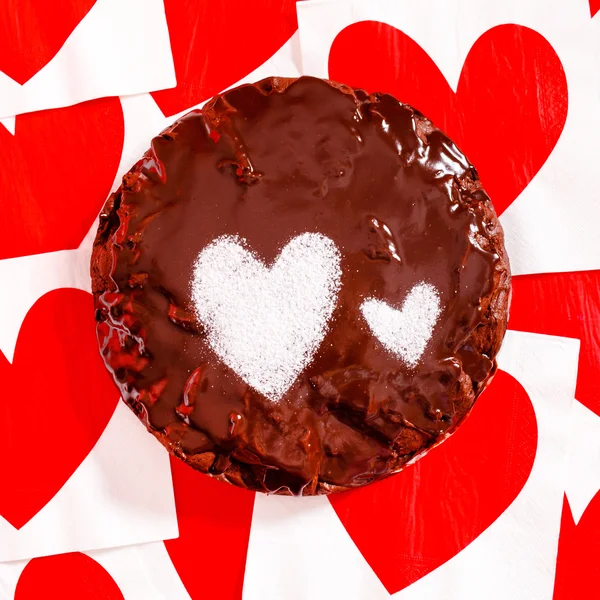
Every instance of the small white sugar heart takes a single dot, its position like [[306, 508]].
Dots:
[[405, 332], [267, 323]]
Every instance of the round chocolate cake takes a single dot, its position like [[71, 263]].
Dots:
[[301, 287]]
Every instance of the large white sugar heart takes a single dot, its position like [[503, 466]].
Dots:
[[405, 332], [266, 323]]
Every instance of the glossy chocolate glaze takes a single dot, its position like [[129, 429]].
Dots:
[[268, 162]]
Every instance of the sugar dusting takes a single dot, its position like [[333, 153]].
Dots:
[[266, 323], [405, 332]]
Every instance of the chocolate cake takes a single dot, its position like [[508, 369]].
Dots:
[[301, 287]]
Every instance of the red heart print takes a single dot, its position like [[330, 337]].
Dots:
[[566, 304], [214, 527], [508, 111], [449, 497], [66, 576], [57, 171], [594, 7], [56, 400], [215, 44], [33, 31], [577, 566]]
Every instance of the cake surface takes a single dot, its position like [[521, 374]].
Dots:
[[300, 288]]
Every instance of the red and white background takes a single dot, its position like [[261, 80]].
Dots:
[[91, 506]]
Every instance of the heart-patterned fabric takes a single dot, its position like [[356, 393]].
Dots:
[[182, 31], [55, 187], [237, 37], [33, 31], [45, 397], [504, 113]]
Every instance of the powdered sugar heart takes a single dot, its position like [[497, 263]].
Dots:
[[267, 323], [405, 332]]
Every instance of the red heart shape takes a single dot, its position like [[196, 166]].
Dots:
[[215, 44], [73, 575], [57, 171], [566, 304], [509, 109], [594, 7], [33, 31], [214, 527], [577, 566], [450, 496], [56, 400]]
